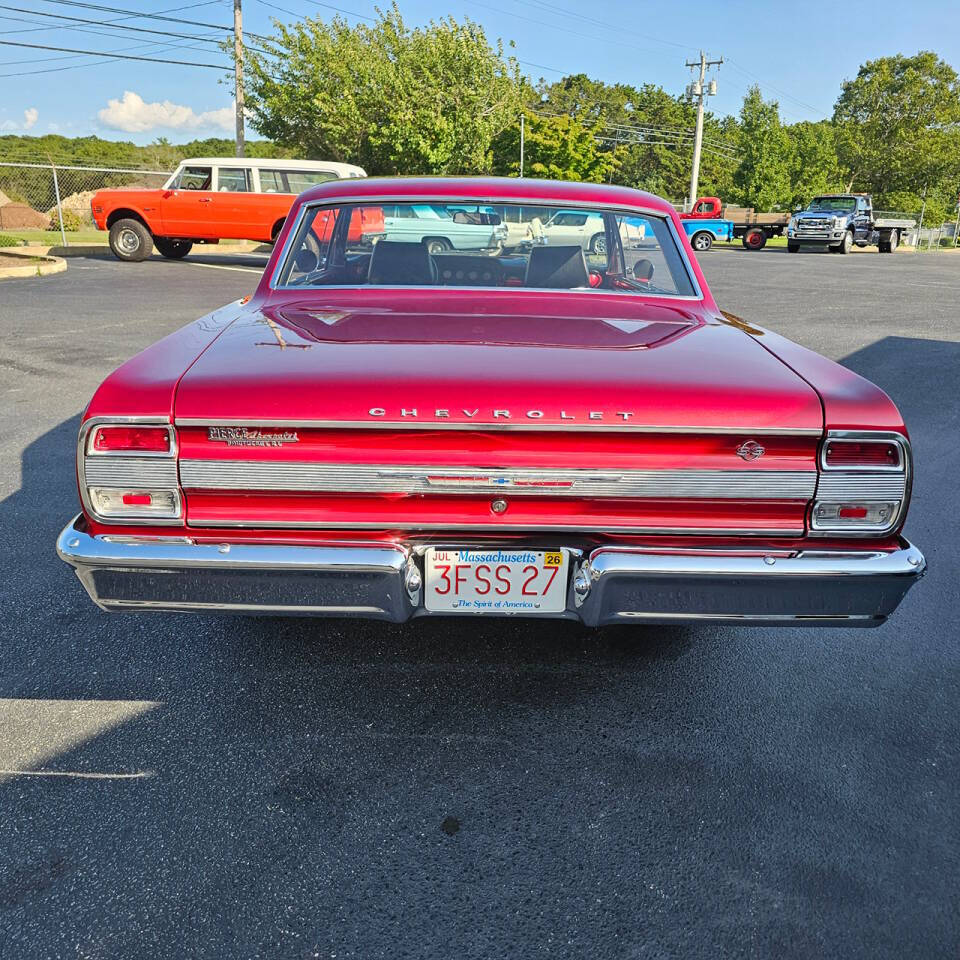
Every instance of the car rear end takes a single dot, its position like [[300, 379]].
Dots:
[[392, 523], [360, 443]]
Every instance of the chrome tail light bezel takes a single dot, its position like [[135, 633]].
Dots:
[[883, 472], [84, 452]]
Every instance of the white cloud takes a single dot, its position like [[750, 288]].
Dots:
[[30, 116], [132, 114]]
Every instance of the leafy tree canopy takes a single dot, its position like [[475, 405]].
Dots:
[[899, 123], [393, 99], [555, 148]]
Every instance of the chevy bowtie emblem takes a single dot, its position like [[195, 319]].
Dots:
[[484, 480], [750, 450], [244, 437]]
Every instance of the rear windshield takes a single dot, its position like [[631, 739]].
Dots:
[[485, 244]]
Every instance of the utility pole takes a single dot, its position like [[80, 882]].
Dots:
[[522, 119], [238, 62], [700, 92]]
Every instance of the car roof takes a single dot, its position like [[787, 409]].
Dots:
[[512, 189], [275, 164]]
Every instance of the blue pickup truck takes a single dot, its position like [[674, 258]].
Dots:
[[703, 233]]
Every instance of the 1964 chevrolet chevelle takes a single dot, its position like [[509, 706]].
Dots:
[[401, 429]]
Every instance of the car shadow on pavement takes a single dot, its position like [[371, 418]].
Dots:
[[180, 786]]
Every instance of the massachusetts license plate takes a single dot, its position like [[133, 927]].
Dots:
[[496, 581]]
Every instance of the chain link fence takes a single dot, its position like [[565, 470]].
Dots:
[[36, 198]]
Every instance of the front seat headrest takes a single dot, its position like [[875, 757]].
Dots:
[[557, 267], [402, 264]]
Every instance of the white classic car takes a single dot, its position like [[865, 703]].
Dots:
[[444, 227], [586, 230]]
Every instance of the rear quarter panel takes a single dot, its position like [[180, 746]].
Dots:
[[145, 386]]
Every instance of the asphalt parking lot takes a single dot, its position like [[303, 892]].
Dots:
[[205, 786]]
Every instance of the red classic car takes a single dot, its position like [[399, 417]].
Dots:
[[531, 429]]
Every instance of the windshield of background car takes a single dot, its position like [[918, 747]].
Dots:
[[485, 244], [833, 205]]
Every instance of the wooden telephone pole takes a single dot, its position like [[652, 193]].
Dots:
[[238, 62], [699, 91]]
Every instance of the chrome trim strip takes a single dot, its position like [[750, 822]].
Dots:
[[130, 472], [860, 486], [539, 425], [418, 479], [697, 297], [614, 584], [99, 463]]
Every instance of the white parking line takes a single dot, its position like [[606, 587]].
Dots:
[[217, 266]]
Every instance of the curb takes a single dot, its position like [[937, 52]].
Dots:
[[46, 266]]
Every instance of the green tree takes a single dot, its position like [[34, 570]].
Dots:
[[814, 166], [762, 178], [391, 98], [555, 148], [898, 124]]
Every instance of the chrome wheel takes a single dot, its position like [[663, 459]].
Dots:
[[128, 241], [598, 245], [702, 242]]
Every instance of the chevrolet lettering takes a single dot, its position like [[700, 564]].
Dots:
[[463, 419]]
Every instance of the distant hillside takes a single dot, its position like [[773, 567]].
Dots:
[[94, 152]]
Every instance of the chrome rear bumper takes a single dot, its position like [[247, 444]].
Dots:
[[609, 585]]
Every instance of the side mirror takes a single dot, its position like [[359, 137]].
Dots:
[[798, 208]]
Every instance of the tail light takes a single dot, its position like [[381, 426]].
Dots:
[[864, 484], [130, 440], [128, 472]]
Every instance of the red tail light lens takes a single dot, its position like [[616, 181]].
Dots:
[[130, 439], [862, 453]]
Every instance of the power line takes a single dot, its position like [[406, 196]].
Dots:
[[783, 93], [99, 23], [116, 56], [98, 33], [620, 28], [554, 26], [300, 16], [148, 16]]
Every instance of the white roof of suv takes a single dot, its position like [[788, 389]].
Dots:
[[344, 171]]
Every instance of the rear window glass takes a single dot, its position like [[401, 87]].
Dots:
[[293, 181], [485, 245], [233, 179]]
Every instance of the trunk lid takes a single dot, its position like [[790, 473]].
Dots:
[[659, 367], [331, 417]]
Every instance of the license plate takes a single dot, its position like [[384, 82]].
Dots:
[[496, 581]]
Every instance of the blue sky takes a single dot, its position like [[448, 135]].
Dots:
[[799, 53]]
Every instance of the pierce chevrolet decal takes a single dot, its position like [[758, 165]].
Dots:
[[444, 413], [244, 437]]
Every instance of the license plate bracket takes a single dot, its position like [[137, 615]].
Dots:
[[495, 581]]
